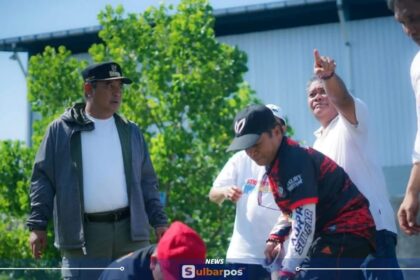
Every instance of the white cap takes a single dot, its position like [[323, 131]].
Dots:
[[277, 111]]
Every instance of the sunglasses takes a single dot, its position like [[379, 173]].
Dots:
[[263, 191]]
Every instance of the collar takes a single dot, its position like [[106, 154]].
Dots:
[[275, 160], [323, 130]]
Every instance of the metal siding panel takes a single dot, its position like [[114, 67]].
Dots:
[[382, 57], [286, 61]]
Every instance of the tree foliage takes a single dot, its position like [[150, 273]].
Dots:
[[15, 165], [15, 168], [54, 83]]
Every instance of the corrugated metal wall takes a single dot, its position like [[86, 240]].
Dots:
[[375, 67]]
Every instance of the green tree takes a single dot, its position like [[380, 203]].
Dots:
[[15, 165], [15, 170], [54, 83]]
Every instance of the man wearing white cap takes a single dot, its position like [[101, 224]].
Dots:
[[241, 181]]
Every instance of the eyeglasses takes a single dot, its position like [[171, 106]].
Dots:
[[265, 196]]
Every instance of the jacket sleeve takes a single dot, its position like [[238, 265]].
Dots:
[[42, 190], [281, 229], [149, 185], [301, 237]]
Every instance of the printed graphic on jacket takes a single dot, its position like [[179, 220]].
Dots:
[[300, 176]]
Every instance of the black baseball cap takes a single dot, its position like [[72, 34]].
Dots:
[[249, 124], [103, 72]]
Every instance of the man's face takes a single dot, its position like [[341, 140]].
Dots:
[[319, 103], [264, 151], [407, 12], [106, 98]]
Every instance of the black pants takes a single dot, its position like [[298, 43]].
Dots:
[[334, 253], [384, 256]]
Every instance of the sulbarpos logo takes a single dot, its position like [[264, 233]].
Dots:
[[191, 271], [188, 271]]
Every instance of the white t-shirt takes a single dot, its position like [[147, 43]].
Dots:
[[104, 185], [252, 222], [350, 147], [415, 82]]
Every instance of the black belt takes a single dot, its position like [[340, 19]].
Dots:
[[108, 217]]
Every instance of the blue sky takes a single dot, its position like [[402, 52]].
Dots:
[[27, 17]]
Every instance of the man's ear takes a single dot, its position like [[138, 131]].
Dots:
[[87, 89], [278, 130], [284, 129]]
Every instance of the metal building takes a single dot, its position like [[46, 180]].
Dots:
[[373, 60]]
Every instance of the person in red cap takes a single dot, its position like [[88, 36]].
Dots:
[[180, 245]]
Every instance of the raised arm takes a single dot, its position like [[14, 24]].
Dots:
[[324, 69]]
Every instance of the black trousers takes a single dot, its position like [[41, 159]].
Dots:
[[336, 256]]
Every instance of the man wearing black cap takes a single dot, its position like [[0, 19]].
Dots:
[[240, 182], [326, 219], [94, 176]]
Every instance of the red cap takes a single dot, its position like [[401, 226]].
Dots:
[[180, 245]]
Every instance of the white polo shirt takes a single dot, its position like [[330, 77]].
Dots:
[[415, 82], [350, 147]]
